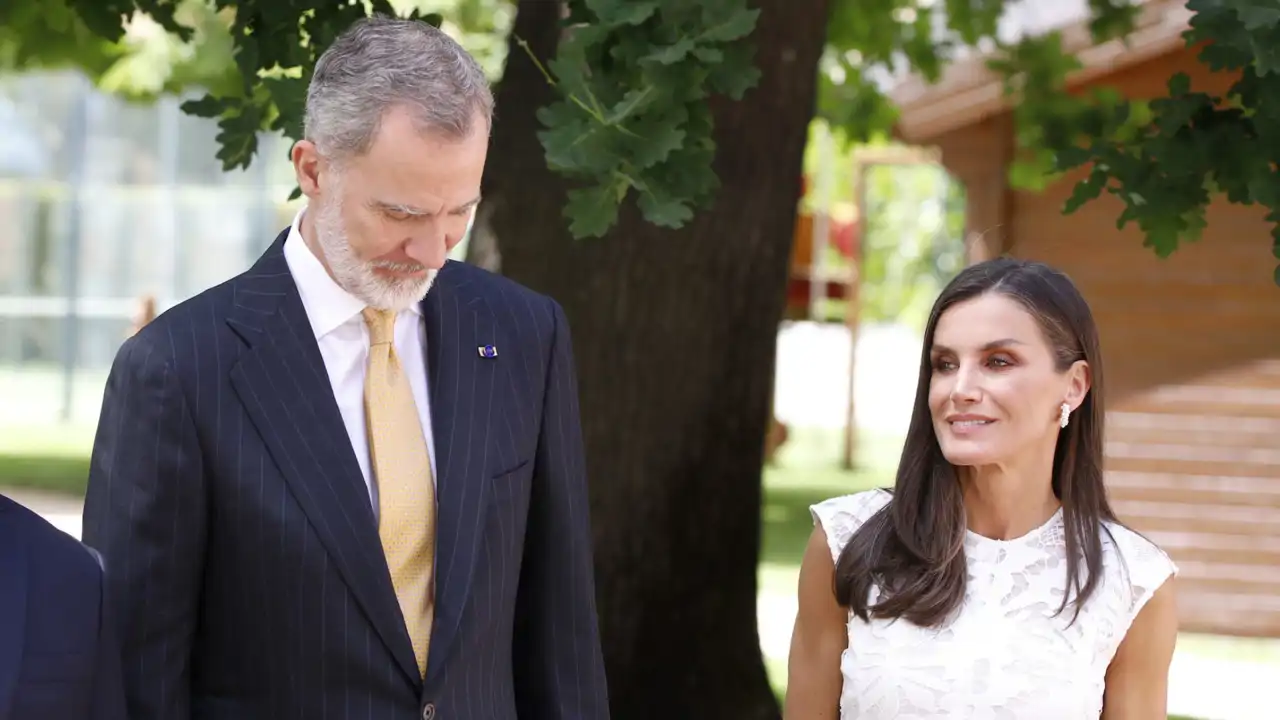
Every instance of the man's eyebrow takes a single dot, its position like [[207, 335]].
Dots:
[[399, 208], [468, 204], [414, 210]]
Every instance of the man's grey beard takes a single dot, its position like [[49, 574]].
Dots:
[[357, 276]]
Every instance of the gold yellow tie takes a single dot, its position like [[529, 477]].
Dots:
[[406, 492]]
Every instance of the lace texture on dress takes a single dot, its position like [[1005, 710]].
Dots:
[[1007, 654]]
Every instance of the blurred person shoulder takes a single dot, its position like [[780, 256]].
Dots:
[[62, 562]]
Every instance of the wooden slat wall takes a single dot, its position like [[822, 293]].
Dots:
[[1191, 348], [1196, 467]]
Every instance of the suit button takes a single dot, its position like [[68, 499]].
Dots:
[[428, 711]]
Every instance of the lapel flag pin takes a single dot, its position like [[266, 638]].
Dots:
[[488, 351]]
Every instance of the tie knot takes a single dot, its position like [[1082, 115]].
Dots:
[[381, 324]]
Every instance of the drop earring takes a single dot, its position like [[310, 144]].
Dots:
[[1066, 414]]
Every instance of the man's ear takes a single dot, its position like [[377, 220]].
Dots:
[[306, 167]]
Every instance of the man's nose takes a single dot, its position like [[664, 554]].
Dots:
[[428, 247]]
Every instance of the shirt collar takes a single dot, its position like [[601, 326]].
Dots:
[[328, 306]]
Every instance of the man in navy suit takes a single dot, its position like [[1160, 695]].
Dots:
[[349, 483], [58, 660]]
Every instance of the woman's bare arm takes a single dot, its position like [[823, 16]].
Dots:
[[819, 638], [1138, 678]]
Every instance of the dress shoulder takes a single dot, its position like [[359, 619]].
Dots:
[[1142, 566], [840, 517]]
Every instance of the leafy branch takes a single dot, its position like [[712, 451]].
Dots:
[[632, 79], [258, 79], [1165, 159]]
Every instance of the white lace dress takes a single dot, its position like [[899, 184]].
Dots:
[[1004, 655]]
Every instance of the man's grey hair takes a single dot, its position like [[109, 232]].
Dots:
[[380, 63]]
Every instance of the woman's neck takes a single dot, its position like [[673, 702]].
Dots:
[[1009, 500]]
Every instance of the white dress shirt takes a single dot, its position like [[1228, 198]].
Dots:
[[343, 337]]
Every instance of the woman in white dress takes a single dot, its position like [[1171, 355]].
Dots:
[[994, 581]]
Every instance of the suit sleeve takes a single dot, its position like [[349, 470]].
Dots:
[[108, 683], [145, 513], [558, 662]]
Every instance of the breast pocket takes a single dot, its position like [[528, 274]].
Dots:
[[512, 484], [54, 685]]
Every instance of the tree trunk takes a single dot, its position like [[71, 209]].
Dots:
[[675, 333]]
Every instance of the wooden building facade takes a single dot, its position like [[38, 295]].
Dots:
[[1191, 343]]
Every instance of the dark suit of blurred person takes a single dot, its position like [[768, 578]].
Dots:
[[58, 659]]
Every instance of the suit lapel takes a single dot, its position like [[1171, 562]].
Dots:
[[13, 610], [458, 322], [282, 382]]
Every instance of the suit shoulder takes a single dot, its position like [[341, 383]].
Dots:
[[492, 283], [172, 333], [51, 547], [213, 302], [507, 297]]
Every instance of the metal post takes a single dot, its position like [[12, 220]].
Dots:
[[262, 208], [168, 153], [77, 137], [853, 315]]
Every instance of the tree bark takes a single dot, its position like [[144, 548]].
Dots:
[[675, 335]]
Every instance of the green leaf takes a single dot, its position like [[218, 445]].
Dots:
[[671, 54], [207, 106], [654, 140], [290, 98], [1267, 55], [709, 55], [103, 19], [1258, 14], [592, 211], [738, 25], [664, 211], [622, 12], [736, 74], [633, 103], [574, 144]]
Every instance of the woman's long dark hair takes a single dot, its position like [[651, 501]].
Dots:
[[913, 549]]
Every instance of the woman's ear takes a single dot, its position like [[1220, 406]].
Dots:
[[1079, 381]]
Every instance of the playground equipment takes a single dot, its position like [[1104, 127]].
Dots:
[[823, 280]]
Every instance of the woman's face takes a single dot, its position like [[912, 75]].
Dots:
[[995, 393]]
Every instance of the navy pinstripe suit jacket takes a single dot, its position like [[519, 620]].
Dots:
[[248, 577]]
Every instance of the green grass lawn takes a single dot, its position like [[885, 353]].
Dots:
[[45, 457], [807, 471]]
